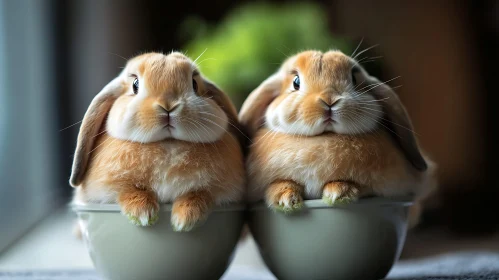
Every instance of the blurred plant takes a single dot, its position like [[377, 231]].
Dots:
[[253, 40]]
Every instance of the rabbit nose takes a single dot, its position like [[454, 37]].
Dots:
[[168, 108], [331, 104], [167, 118]]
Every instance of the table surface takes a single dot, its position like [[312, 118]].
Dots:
[[50, 251]]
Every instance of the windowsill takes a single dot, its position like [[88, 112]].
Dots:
[[51, 246]]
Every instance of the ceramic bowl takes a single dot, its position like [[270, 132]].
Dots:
[[361, 240], [121, 250]]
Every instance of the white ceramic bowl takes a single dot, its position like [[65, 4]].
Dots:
[[121, 250], [361, 240]]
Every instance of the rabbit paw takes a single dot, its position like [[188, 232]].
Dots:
[[289, 202], [143, 217], [284, 196], [190, 209], [182, 222], [339, 193], [140, 207]]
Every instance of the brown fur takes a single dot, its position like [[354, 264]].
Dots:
[[343, 190], [136, 201], [90, 125], [125, 163], [138, 174], [192, 207], [371, 161], [281, 191], [382, 159]]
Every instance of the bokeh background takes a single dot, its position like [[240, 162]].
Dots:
[[55, 55]]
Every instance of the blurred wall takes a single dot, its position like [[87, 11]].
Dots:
[[29, 168], [427, 43], [434, 46], [102, 35]]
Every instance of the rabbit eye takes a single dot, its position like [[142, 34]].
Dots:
[[135, 86], [195, 85], [296, 82]]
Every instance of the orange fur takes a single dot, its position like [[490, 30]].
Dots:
[[340, 190], [371, 161], [192, 207], [138, 202], [137, 161], [284, 193], [367, 149], [116, 164]]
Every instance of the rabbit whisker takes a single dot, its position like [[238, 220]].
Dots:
[[191, 121], [261, 138], [373, 86], [207, 131], [114, 139], [191, 134], [70, 126], [365, 50], [371, 101], [210, 58], [358, 116], [353, 124], [399, 125], [358, 46], [379, 122], [214, 123], [206, 119], [356, 87], [285, 55], [200, 56], [100, 133], [228, 121], [118, 56]]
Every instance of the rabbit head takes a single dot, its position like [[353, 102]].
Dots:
[[315, 93], [156, 97]]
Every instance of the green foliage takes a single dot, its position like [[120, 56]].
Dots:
[[251, 43]]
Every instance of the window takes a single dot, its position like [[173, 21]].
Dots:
[[28, 132]]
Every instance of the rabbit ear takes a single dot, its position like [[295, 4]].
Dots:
[[92, 122], [254, 108], [398, 122], [222, 100], [226, 104]]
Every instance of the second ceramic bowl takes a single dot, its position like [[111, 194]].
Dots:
[[361, 240]]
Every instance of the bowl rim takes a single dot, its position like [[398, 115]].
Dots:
[[368, 201], [165, 207], [310, 204]]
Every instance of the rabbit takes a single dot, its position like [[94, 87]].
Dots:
[[322, 127], [160, 133]]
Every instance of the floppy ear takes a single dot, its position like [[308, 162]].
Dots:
[[226, 104], [254, 107], [222, 100], [92, 122], [398, 121]]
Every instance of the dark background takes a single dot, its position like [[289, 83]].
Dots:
[[58, 54]]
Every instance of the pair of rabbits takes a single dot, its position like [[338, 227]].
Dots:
[[319, 127]]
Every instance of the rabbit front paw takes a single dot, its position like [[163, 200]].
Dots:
[[339, 193], [284, 196], [190, 209], [140, 207], [143, 219]]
